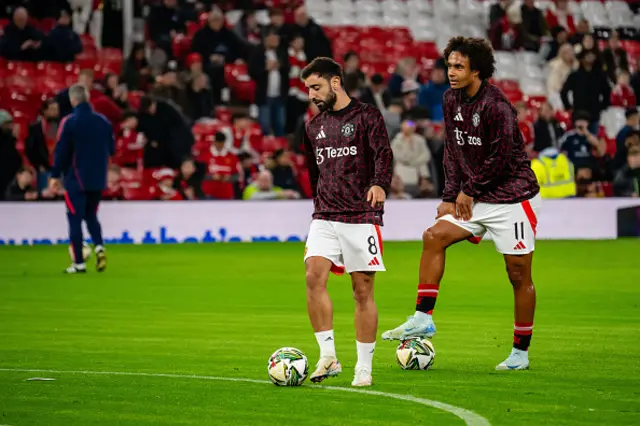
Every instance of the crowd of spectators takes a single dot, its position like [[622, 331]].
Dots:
[[210, 104]]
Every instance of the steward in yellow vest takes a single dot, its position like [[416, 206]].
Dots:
[[555, 174]]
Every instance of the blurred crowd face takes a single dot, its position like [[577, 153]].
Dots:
[[546, 111], [216, 21], [24, 178], [321, 91], [566, 54], [438, 76], [52, 113], [562, 5], [264, 181], [297, 43], [113, 177], [20, 17], [408, 127], [352, 64], [300, 16], [86, 79], [187, 169], [284, 160], [272, 41]]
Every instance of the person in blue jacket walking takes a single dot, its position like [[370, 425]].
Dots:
[[81, 158]]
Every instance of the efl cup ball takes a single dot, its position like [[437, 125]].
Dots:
[[415, 354], [86, 252], [288, 367]]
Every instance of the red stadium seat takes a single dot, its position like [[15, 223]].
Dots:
[[273, 143], [137, 192]]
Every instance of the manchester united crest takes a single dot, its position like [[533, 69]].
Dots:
[[348, 130], [476, 119]]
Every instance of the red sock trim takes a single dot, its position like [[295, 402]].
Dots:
[[523, 328], [428, 286], [430, 312]]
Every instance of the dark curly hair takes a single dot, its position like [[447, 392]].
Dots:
[[479, 52], [326, 68]]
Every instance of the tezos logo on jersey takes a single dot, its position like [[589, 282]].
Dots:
[[329, 152], [470, 140]]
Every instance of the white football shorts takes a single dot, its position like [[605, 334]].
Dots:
[[512, 227], [351, 247]]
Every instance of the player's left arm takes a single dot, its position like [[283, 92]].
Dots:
[[502, 129], [312, 164], [382, 157], [62, 153]]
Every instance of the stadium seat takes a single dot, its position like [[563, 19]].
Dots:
[[273, 143]]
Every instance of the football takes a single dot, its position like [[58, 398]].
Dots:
[[415, 354], [288, 367], [86, 252]]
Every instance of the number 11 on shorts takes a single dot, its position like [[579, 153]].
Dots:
[[519, 226]]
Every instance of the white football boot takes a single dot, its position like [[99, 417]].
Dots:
[[517, 360], [362, 378], [327, 366], [413, 327]]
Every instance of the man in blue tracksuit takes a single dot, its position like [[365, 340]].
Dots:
[[85, 143]]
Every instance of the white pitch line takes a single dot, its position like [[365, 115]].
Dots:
[[469, 417]]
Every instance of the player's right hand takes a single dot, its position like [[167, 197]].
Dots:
[[446, 208], [464, 206]]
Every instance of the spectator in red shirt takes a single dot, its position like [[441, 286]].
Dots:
[[246, 136], [622, 94], [223, 170], [298, 96], [561, 17], [506, 34], [129, 143]]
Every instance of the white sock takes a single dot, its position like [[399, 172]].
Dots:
[[98, 248], [327, 343], [79, 266], [365, 355], [516, 351], [422, 317]]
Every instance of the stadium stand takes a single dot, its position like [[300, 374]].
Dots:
[[198, 66]]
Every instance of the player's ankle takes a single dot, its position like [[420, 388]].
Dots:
[[422, 317], [522, 352], [99, 248]]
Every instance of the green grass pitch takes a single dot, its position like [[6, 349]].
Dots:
[[222, 309]]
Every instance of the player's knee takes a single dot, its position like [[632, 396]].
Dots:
[[363, 289], [316, 278], [434, 238], [517, 274]]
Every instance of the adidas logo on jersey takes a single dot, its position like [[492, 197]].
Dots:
[[458, 117], [321, 135], [519, 246], [374, 262]]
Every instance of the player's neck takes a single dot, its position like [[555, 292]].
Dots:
[[473, 88], [342, 101]]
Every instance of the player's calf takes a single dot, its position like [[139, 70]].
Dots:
[[519, 272]]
